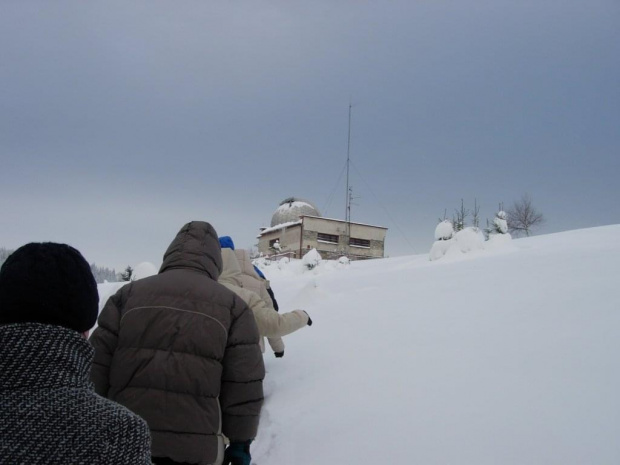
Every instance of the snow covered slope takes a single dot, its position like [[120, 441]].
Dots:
[[503, 356]]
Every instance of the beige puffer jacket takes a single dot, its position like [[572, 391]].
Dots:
[[271, 324], [249, 278], [252, 281], [182, 351]]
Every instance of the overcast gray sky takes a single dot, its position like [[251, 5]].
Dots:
[[120, 121]]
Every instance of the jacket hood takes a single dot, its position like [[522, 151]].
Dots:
[[231, 271], [245, 263], [196, 247]]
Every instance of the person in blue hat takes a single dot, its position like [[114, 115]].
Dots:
[[241, 276]]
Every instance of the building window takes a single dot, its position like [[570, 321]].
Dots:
[[327, 238], [273, 241], [354, 242]]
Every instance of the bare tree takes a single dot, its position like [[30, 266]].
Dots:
[[523, 216], [476, 214], [458, 220]]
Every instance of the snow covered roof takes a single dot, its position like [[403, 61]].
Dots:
[[351, 222], [291, 209], [279, 226]]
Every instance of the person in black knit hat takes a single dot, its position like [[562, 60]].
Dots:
[[51, 284], [49, 411]]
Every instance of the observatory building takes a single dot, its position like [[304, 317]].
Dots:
[[297, 227]]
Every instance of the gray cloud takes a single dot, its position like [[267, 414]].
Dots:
[[139, 116]]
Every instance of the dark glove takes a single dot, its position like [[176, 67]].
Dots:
[[309, 319], [238, 453], [279, 354]]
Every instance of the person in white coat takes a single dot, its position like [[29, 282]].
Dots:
[[271, 324]]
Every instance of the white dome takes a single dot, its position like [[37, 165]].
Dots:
[[291, 209]]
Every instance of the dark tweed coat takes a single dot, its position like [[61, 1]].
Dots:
[[49, 412]]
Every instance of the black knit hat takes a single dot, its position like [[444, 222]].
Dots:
[[48, 283]]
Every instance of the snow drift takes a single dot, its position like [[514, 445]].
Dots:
[[505, 356]]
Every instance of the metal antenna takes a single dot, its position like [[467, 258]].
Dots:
[[347, 215], [349, 194]]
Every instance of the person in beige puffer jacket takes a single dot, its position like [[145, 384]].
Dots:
[[271, 324]]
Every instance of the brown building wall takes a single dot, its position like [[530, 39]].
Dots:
[[291, 239], [313, 226]]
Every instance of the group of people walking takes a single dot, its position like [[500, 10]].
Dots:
[[172, 374]]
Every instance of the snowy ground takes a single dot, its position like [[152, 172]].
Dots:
[[502, 356], [508, 356]]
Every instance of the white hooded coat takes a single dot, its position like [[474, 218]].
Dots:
[[271, 324], [250, 278]]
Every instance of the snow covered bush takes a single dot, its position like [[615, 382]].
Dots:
[[344, 261], [466, 240], [444, 231], [498, 232], [144, 270], [500, 225], [127, 274], [439, 249], [283, 262], [469, 239], [311, 259]]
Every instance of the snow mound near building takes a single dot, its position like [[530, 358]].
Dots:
[[465, 241], [144, 270]]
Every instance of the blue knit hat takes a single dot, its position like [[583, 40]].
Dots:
[[226, 242]]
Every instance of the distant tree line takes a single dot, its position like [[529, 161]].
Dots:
[[4, 254], [103, 274]]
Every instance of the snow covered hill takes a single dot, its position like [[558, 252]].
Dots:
[[505, 356], [501, 356]]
